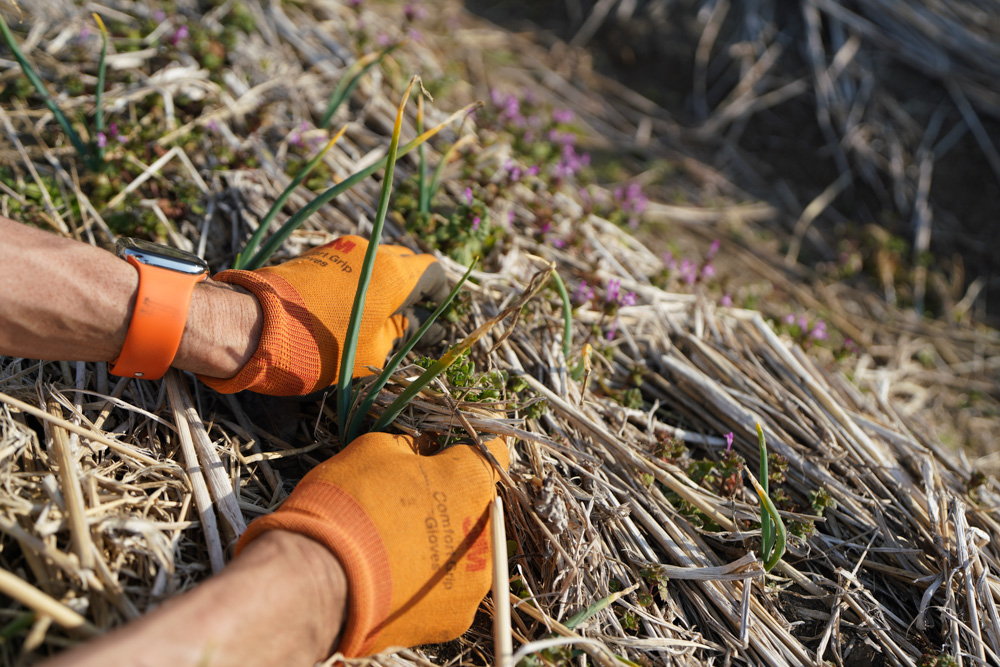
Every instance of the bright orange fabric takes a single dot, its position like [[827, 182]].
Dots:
[[307, 303], [411, 532]]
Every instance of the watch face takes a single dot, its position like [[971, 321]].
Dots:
[[161, 256]]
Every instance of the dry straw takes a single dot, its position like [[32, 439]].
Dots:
[[116, 496]]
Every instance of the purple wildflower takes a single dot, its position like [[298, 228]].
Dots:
[[726, 301], [803, 323], [708, 271], [510, 217], [84, 33], [468, 196], [729, 441], [612, 331], [181, 33], [668, 259], [159, 16], [614, 291], [475, 223], [571, 162], [712, 249], [558, 243], [688, 271], [819, 331], [414, 12], [788, 319], [584, 292], [102, 140], [629, 299], [212, 125], [562, 115], [533, 170]]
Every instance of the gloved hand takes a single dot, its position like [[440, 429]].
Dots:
[[307, 303], [412, 533]]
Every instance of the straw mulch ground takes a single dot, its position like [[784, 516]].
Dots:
[[118, 494]]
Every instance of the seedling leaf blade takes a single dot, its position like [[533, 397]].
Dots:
[[390, 368], [243, 258], [364, 277]]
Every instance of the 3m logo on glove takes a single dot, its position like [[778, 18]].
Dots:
[[479, 552], [342, 244]]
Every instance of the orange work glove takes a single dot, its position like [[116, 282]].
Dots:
[[307, 303], [412, 533]]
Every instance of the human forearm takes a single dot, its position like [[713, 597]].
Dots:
[[61, 299], [281, 602]]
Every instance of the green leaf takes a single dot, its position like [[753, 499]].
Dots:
[[265, 223], [39, 85], [347, 355], [567, 314], [445, 159], [102, 68], [390, 368], [455, 353], [768, 510], [294, 222], [766, 534], [351, 79], [582, 616]]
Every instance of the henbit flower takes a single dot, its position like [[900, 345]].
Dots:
[[468, 196], [414, 12], [533, 170], [788, 319], [668, 259], [159, 16], [179, 34], [612, 331], [708, 271], [629, 299], [562, 115], [102, 140], [212, 125], [584, 292], [688, 271], [729, 441], [803, 323], [614, 291], [726, 301], [510, 217], [475, 223], [712, 249], [819, 331]]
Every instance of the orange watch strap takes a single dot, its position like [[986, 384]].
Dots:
[[157, 326]]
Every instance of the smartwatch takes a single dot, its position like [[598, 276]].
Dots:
[[167, 277]]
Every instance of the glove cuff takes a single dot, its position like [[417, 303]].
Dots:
[[285, 361], [327, 514]]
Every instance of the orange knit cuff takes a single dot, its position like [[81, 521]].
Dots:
[[285, 362], [327, 514]]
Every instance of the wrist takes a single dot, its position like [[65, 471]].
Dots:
[[310, 569], [222, 330]]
